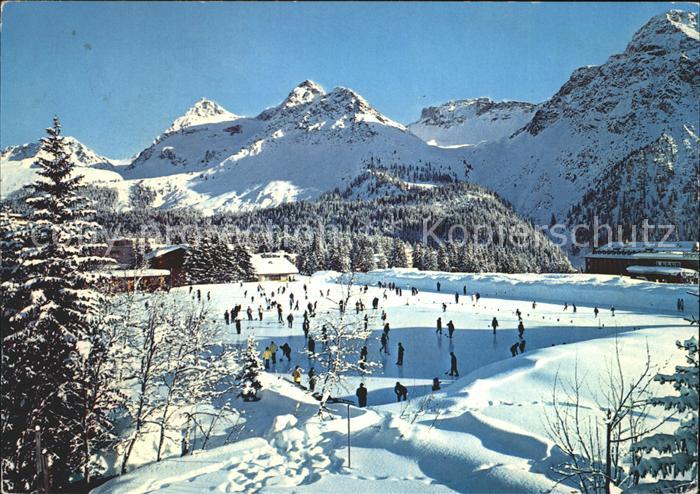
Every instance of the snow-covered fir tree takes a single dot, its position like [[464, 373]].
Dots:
[[248, 378], [672, 459], [50, 321], [212, 260], [397, 257], [339, 257]]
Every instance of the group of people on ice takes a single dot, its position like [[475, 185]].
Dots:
[[272, 302]]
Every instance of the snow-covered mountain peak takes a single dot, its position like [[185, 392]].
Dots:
[[344, 102], [19, 168], [669, 31], [77, 151], [302, 94], [204, 111]]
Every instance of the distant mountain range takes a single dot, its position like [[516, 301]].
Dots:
[[619, 140]]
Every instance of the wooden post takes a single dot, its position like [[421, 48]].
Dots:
[[608, 455], [349, 464], [42, 470]]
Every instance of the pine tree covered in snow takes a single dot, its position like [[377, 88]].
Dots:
[[249, 376], [49, 327], [339, 257], [212, 260], [678, 452], [397, 256]]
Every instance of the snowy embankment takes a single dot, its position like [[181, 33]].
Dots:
[[589, 289], [483, 432]]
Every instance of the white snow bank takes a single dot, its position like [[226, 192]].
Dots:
[[591, 289]]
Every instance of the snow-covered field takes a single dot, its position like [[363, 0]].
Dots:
[[483, 432]]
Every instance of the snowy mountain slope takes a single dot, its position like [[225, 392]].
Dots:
[[16, 163], [601, 117], [471, 121], [313, 142]]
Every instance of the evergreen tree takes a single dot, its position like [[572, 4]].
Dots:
[[249, 376], [243, 263], [678, 452], [212, 260], [197, 264], [50, 314], [339, 258], [397, 257]]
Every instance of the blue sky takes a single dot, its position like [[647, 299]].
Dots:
[[118, 73]]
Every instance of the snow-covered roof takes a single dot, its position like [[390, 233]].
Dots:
[[159, 251], [683, 246], [671, 256], [665, 270], [270, 264], [137, 273]]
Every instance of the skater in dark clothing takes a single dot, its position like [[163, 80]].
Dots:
[[312, 379], [273, 352], [238, 326], [444, 307], [566, 305], [401, 391], [312, 346], [464, 290], [290, 320], [612, 310], [595, 311], [521, 329], [456, 298], [439, 326], [438, 286], [514, 349], [384, 341], [363, 357], [494, 324], [249, 312], [286, 352], [534, 304], [453, 364], [450, 328], [478, 296], [519, 314], [375, 303], [574, 308], [260, 313], [399, 361], [227, 318], [199, 294], [361, 394], [436, 384], [522, 346], [386, 329], [279, 315], [305, 327]]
